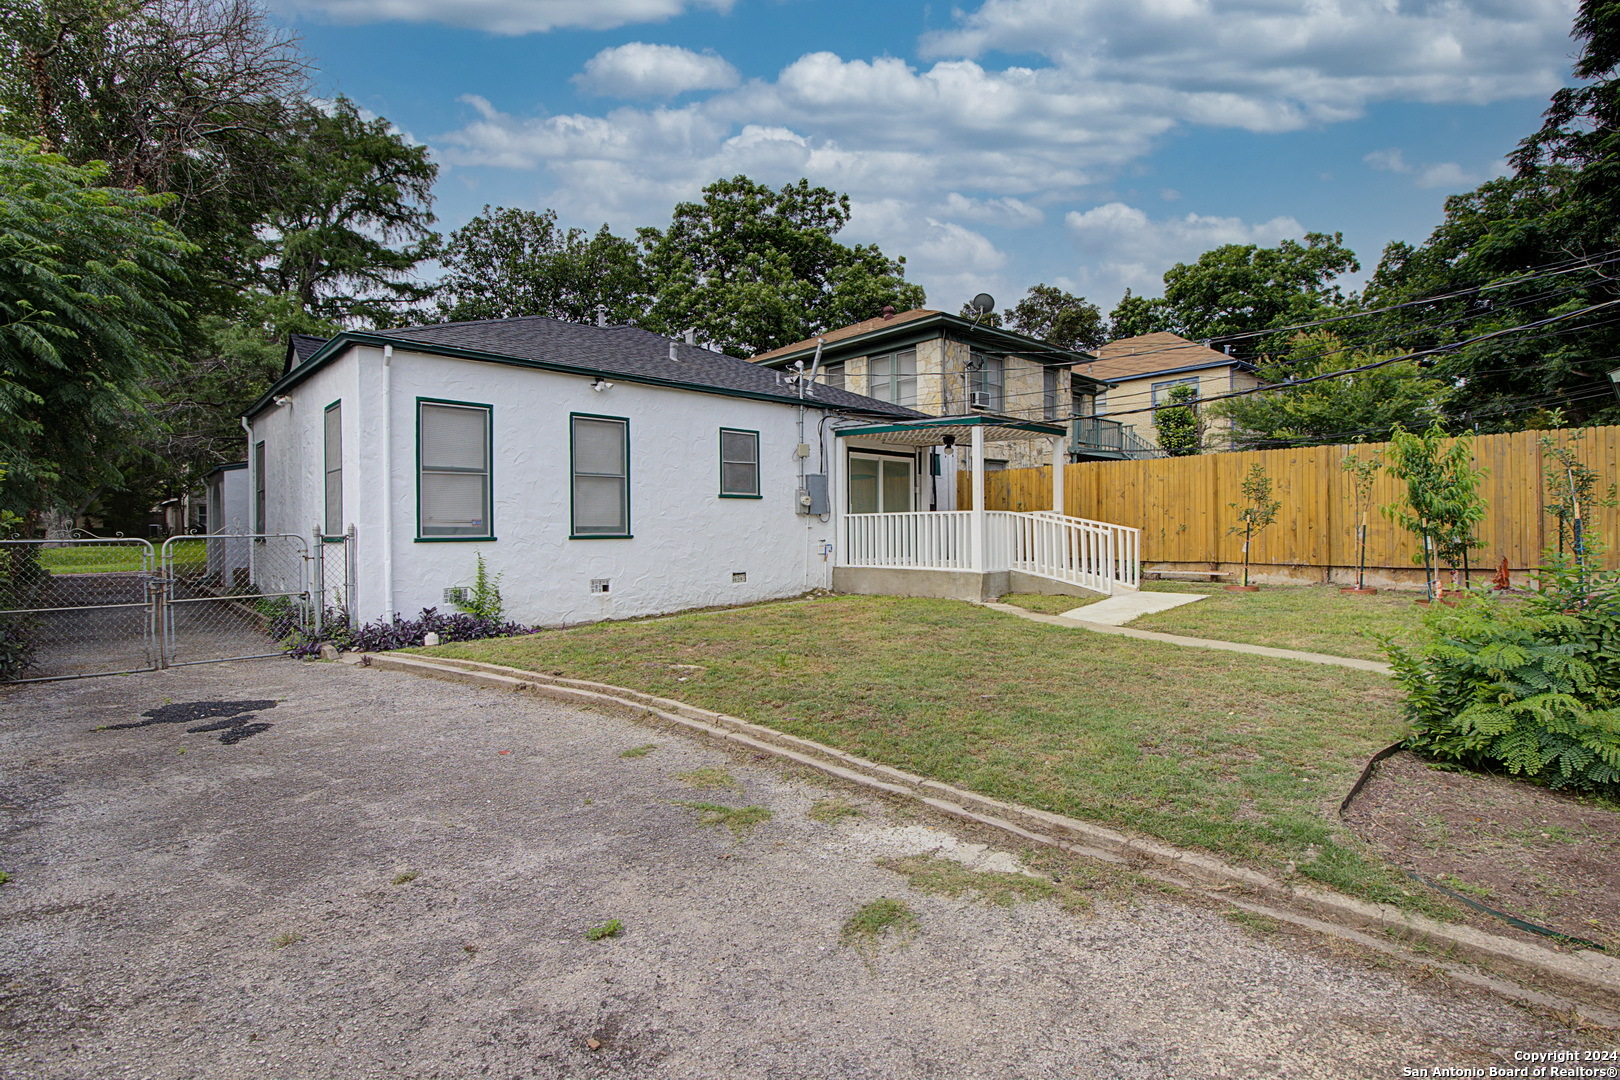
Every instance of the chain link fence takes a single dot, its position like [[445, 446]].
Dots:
[[232, 597], [74, 607]]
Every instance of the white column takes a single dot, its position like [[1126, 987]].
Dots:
[[979, 519], [1060, 459], [839, 501]]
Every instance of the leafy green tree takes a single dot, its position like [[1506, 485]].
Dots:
[[90, 313], [508, 262], [1576, 492], [752, 269], [1363, 474], [1241, 288], [1058, 318], [1256, 511], [1134, 316], [1443, 506], [1366, 404], [1180, 429], [351, 217], [179, 96]]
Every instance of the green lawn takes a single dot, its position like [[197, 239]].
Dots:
[[189, 555], [1050, 605], [1239, 755], [1312, 618]]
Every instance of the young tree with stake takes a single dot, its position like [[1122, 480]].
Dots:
[[1256, 512]]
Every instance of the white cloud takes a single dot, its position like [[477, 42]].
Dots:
[[1271, 65], [505, 16], [1005, 211], [1124, 248], [640, 70], [1444, 174]]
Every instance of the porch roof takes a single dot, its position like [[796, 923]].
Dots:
[[932, 431]]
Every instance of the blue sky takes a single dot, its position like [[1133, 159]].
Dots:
[[1084, 143]]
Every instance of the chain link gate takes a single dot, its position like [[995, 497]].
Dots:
[[83, 606], [75, 607], [224, 597]]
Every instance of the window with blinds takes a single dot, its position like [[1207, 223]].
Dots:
[[601, 467], [258, 487], [453, 459], [1049, 393], [739, 464], [334, 469], [988, 378], [893, 378]]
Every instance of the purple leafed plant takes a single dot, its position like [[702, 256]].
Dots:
[[406, 633]]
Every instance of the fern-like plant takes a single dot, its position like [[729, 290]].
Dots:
[[484, 598]]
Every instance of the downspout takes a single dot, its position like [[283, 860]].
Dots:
[[388, 483], [801, 451]]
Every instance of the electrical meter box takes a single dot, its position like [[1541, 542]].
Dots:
[[815, 491]]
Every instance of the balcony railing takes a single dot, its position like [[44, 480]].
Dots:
[[1095, 435]]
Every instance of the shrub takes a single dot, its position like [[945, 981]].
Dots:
[[16, 647], [484, 598], [402, 633], [1532, 686]]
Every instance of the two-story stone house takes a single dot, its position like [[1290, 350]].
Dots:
[[1142, 371], [946, 365]]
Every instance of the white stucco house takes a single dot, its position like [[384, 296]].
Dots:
[[608, 472]]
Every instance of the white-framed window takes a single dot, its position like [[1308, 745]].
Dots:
[[881, 483], [453, 457], [1161, 390], [988, 379], [334, 469], [893, 377], [739, 464], [600, 452], [1049, 393], [832, 375]]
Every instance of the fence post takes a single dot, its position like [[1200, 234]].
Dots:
[[318, 589]]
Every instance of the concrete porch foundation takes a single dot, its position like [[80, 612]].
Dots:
[[945, 584]]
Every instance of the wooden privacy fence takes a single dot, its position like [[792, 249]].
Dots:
[[1182, 505]]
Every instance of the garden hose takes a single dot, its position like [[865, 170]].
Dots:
[[1511, 920]]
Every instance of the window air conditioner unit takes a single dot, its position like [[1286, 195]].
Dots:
[[978, 399]]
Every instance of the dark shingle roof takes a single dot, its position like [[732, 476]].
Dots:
[[625, 351], [301, 347]]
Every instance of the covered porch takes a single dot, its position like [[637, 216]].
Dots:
[[886, 545]]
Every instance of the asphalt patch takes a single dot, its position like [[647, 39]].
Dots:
[[238, 721]]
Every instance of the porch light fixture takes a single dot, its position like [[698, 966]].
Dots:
[[1614, 381], [600, 385]]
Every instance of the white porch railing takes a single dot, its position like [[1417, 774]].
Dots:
[[1091, 554], [940, 540]]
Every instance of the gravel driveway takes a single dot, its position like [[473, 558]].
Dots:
[[239, 903]]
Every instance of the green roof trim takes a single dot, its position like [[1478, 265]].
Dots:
[[1035, 427]]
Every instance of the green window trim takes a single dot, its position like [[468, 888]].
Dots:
[[488, 472], [332, 448], [752, 461], [574, 474]]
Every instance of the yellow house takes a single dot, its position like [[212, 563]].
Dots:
[[1141, 372]]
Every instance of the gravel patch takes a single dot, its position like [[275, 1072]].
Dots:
[[395, 878]]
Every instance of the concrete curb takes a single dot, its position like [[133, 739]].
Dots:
[[1193, 642], [1589, 977]]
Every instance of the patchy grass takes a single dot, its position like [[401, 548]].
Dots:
[[709, 779], [611, 928], [405, 877], [1242, 756], [1253, 921], [1048, 605], [739, 819], [832, 811], [1311, 618], [281, 941], [932, 874], [5, 878], [871, 923], [639, 751]]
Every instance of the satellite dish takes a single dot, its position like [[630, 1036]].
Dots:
[[984, 303]]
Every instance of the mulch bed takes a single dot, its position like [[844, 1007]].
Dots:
[[1544, 856]]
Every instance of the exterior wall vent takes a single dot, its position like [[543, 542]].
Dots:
[[456, 594], [599, 584], [739, 576]]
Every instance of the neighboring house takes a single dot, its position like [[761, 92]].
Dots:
[[947, 365], [229, 505], [603, 472], [1141, 372]]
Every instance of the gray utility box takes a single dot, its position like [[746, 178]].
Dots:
[[813, 497]]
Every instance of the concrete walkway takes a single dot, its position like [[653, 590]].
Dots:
[[1125, 607], [1192, 642]]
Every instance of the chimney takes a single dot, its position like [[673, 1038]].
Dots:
[[691, 336], [888, 312]]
